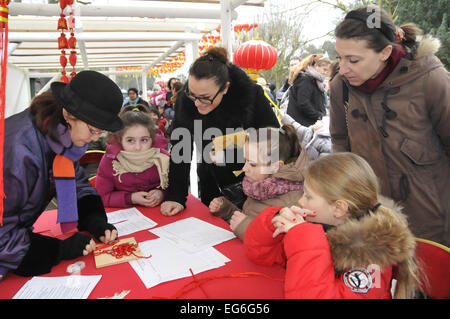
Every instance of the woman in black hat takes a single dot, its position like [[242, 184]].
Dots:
[[42, 147]]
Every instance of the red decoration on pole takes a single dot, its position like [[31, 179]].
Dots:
[[4, 11], [255, 56], [64, 43]]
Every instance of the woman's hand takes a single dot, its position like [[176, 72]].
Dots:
[[140, 198], [285, 220], [236, 219], [110, 236], [155, 197], [89, 248], [171, 208], [215, 204]]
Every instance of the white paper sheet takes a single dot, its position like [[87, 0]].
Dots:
[[128, 221], [169, 262], [193, 234], [68, 287]]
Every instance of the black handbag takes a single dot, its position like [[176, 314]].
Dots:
[[234, 193]]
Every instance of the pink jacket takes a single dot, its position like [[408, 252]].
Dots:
[[118, 194]]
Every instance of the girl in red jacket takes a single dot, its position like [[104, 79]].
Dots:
[[132, 171], [367, 243]]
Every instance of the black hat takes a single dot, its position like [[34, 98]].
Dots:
[[93, 98]]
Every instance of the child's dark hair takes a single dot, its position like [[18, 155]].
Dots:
[[213, 64], [284, 141], [132, 115]]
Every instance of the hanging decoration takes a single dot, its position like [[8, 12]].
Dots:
[[246, 32], [169, 67], [4, 11], [209, 40], [255, 56], [67, 24]]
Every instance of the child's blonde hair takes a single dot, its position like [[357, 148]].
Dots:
[[348, 177]]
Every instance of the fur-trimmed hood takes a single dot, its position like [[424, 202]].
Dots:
[[381, 238]]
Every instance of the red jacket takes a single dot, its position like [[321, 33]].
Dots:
[[310, 271]]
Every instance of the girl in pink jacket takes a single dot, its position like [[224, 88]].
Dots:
[[132, 171]]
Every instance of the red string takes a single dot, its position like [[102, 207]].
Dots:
[[197, 283], [118, 250]]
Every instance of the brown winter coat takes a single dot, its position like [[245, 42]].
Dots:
[[413, 161], [252, 207]]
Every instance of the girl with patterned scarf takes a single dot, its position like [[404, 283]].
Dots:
[[268, 179], [133, 171]]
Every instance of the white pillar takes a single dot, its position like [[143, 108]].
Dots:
[[225, 29], [144, 83]]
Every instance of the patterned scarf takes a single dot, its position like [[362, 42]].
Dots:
[[64, 177], [269, 188], [137, 162], [320, 79]]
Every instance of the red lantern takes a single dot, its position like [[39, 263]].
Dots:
[[62, 4], [62, 42], [73, 58], [72, 43], [255, 56], [63, 59], [62, 23], [64, 77]]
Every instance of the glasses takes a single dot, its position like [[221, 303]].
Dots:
[[94, 131], [203, 100]]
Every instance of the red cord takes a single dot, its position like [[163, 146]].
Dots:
[[118, 250]]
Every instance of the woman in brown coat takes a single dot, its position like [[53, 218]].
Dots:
[[390, 104]]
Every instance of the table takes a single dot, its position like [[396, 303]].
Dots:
[[122, 277]]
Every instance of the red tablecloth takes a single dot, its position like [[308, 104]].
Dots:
[[118, 278]]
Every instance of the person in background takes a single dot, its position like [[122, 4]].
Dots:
[[219, 95], [132, 171], [42, 147], [134, 98], [390, 104], [266, 183], [263, 83], [170, 90], [343, 241], [307, 95], [158, 96], [294, 61]]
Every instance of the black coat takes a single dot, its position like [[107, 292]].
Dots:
[[306, 101], [243, 106]]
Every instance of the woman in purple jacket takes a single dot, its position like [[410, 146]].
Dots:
[[42, 147], [133, 172]]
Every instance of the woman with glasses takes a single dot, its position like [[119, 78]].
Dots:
[[42, 147], [390, 104], [217, 96]]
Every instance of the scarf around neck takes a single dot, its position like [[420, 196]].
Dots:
[[320, 79], [133, 102], [64, 176], [269, 188], [371, 85], [137, 162]]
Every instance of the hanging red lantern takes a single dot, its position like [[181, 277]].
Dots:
[[62, 23], [73, 58], [64, 77], [63, 59], [62, 42], [255, 56], [72, 43], [63, 4]]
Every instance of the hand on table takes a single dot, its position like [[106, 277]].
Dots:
[[170, 208], [155, 197], [89, 248], [140, 198], [215, 204], [236, 219]]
